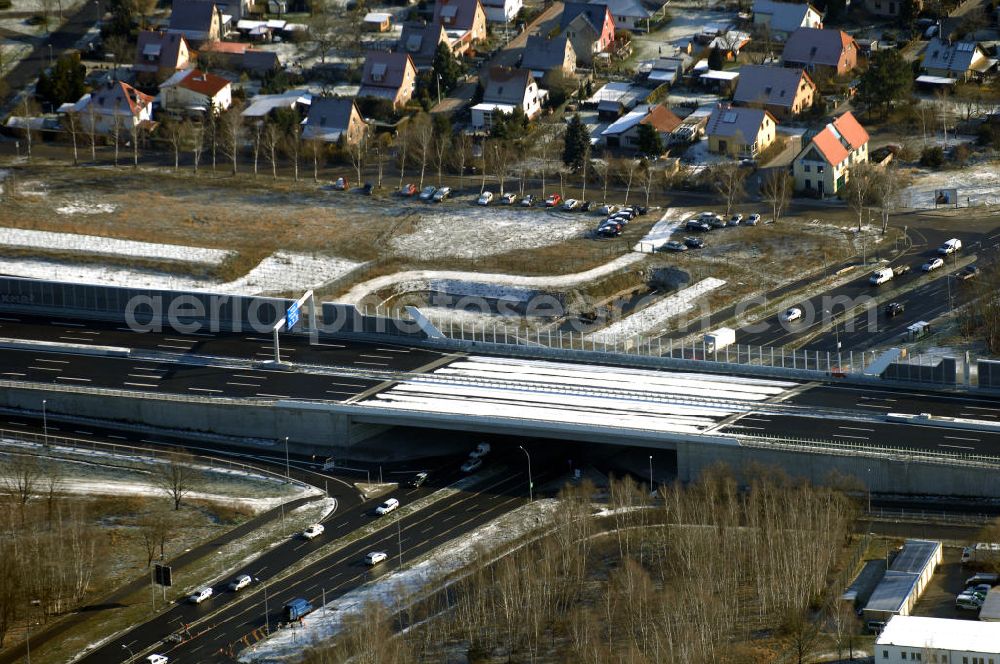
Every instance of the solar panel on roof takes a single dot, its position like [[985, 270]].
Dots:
[[378, 69], [730, 116], [966, 46]]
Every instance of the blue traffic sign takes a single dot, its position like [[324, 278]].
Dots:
[[291, 317]]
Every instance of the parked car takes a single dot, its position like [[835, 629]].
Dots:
[[313, 531], [694, 242], [553, 200], [508, 198], [932, 264], [609, 229], [900, 269], [792, 314], [893, 309], [240, 582], [717, 222], [340, 184], [418, 480], [200, 595], [950, 247], [674, 245], [376, 557], [386, 507], [570, 204], [427, 193], [629, 211], [608, 209], [753, 219], [441, 194], [157, 659], [472, 465], [970, 272], [408, 190], [987, 578], [368, 189], [735, 220], [585, 206], [968, 601], [708, 216], [485, 198], [528, 200], [481, 450], [697, 225]]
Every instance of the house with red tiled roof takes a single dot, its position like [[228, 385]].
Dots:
[[159, 54], [821, 51], [624, 132], [195, 92], [114, 106], [823, 167], [391, 76], [464, 22]]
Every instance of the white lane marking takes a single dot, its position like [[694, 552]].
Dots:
[[744, 426], [39, 359], [856, 429], [12, 373], [172, 346], [61, 324], [875, 398], [76, 339], [837, 435], [872, 405], [140, 384], [375, 364], [82, 380], [982, 408], [90, 332], [45, 368], [755, 418], [144, 376], [253, 376], [346, 385], [971, 440], [17, 424], [318, 343], [243, 384], [117, 437], [376, 357], [183, 341], [957, 447], [203, 389], [331, 391], [273, 396], [84, 433], [978, 415], [11, 320], [394, 350]]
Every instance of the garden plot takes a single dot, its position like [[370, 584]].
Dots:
[[104, 246], [470, 232], [654, 316]]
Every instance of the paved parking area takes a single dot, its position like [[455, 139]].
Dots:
[[949, 579]]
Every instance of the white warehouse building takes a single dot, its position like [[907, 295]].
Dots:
[[941, 640]]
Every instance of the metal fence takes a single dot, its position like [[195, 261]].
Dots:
[[846, 448]]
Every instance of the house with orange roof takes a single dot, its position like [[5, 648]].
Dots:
[[116, 106], [464, 22], [195, 92], [823, 167]]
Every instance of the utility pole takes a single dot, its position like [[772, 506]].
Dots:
[[288, 474], [45, 423]]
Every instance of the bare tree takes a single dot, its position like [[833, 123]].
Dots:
[[173, 131], [292, 144], [462, 152], [728, 179], [231, 130], [135, 130], [195, 132], [29, 109], [776, 189], [271, 141], [92, 130], [442, 144], [626, 172], [423, 133], [258, 131], [861, 183], [315, 149], [888, 188], [402, 141], [649, 175], [382, 145], [115, 133], [603, 169], [498, 154], [176, 476], [358, 152], [73, 127], [22, 477]]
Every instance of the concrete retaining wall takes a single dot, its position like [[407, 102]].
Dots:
[[989, 373], [881, 475]]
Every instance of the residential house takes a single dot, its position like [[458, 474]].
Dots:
[[740, 132], [628, 14], [263, 106], [236, 56], [420, 42], [624, 132], [956, 60], [544, 56], [892, 8], [391, 76], [783, 91], [195, 91], [589, 27], [670, 70], [502, 11], [114, 107], [198, 21], [821, 52], [464, 21], [781, 19], [334, 119], [377, 21], [507, 89], [730, 43], [823, 166], [159, 54], [259, 62]]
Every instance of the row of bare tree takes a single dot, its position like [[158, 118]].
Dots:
[[693, 577]]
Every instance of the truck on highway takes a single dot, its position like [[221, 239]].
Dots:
[[881, 276], [718, 339], [296, 609]]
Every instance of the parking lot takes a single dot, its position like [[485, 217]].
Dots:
[[938, 600]]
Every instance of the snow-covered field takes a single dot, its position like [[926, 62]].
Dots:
[[280, 272], [660, 233], [976, 182], [92, 244], [406, 585], [470, 232], [650, 318]]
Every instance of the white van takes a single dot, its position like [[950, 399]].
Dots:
[[950, 247], [879, 277]]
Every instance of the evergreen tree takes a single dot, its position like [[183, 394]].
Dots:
[[715, 60], [65, 81], [650, 143], [575, 143], [888, 80], [447, 66]]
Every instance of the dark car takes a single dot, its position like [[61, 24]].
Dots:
[[674, 245], [894, 309], [970, 272], [696, 225], [368, 189], [586, 206], [609, 230], [694, 242]]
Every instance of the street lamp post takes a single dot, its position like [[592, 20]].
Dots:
[[130, 653], [267, 614], [45, 423], [288, 474], [531, 484], [650, 473], [27, 633]]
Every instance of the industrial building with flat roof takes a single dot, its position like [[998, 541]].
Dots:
[[913, 638], [904, 581]]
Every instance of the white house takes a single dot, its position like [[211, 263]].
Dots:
[[116, 106], [506, 90], [502, 11], [195, 91], [784, 18], [927, 640]]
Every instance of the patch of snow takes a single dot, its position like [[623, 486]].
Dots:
[[419, 279], [498, 291], [661, 231], [83, 207], [460, 232], [405, 585], [92, 244], [698, 158], [653, 316], [976, 185], [285, 271]]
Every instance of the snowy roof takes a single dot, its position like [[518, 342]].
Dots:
[[377, 17], [735, 122], [936, 80], [628, 8], [785, 16], [627, 121], [716, 75], [941, 634], [261, 105], [954, 56], [503, 108]]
